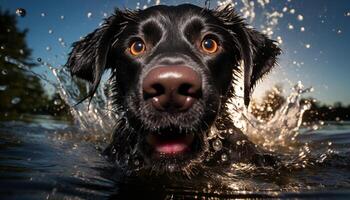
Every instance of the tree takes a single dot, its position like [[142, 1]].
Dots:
[[20, 91]]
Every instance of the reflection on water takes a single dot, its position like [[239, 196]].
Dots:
[[36, 162]]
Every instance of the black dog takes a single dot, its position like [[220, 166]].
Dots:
[[173, 70]]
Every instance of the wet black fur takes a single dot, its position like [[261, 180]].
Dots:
[[184, 26]]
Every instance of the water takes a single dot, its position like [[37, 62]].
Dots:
[[45, 158]]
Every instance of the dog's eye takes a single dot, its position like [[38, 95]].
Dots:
[[137, 48], [209, 45]]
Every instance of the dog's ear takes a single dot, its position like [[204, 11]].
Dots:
[[259, 59], [88, 57], [258, 52]]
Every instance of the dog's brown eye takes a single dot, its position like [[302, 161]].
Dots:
[[209, 45], [137, 48]]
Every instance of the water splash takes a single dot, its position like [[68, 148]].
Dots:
[[281, 130], [277, 134], [93, 116]]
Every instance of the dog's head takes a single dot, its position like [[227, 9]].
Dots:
[[173, 68]]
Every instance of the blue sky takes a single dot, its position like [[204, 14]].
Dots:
[[324, 65]]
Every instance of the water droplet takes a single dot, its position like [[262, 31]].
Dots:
[[21, 12], [50, 31], [339, 31], [238, 124], [4, 72], [314, 127], [279, 39], [136, 162], [38, 59], [217, 144], [57, 102], [48, 48], [15, 100], [60, 39], [89, 14], [231, 131], [224, 157], [2, 47], [42, 14], [329, 143], [3, 87], [347, 14], [114, 151], [62, 17], [308, 46], [292, 11], [300, 17], [302, 29], [290, 26], [171, 168], [285, 9]]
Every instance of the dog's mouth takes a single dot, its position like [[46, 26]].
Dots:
[[170, 143]]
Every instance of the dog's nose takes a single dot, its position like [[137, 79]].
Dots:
[[172, 88]]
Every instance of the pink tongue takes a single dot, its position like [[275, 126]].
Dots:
[[171, 148]]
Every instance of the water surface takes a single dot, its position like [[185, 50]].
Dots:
[[46, 158]]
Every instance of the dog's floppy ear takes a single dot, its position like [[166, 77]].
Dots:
[[88, 57], [258, 61], [258, 52]]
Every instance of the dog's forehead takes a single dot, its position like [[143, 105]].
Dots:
[[173, 17]]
